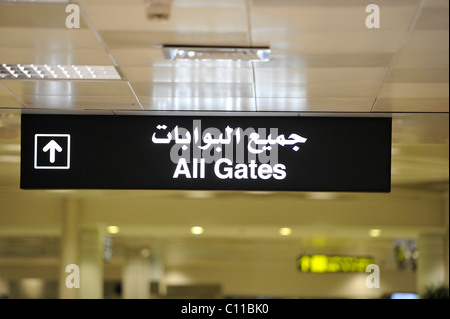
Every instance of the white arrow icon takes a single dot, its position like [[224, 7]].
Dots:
[[52, 146]]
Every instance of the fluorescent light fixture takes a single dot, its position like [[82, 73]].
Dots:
[[57, 72], [35, 1], [197, 230], [220, 53], [375, 233], [285, 231]]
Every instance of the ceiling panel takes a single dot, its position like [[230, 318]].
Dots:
[[422, 60], [34, 15], [411, 105], [317, 42], [76, 95], [319, 75], [414, 90], [110, 17], [75, 103], [54, 57], [312, 90], [431, 41], [68, 88], [433, 18], [295, 4], [327, 60], [403, 75], [331, 104], [337, 18], [142, 57], [7, 99], [194, 90], [50, 39], [153, 39], [189, 74], [209, 103]]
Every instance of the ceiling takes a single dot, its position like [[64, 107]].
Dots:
[[324, 60]]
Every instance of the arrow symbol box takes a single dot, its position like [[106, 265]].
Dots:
[[52, 151]]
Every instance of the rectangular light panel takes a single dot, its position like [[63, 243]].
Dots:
[[58, 72]]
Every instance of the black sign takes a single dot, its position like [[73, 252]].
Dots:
[[206, 153]]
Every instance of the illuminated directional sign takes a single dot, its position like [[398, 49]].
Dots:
[[206, 153], [332, 264]]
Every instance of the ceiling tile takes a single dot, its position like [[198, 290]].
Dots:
[[226, 104], [429, 41], [317, 17], [433, 18], [50, 39], [414, 90], [294, 4], [319, 42], [320, 75], [315, 104], [419, 75], [34, 15], [69, 88], [327, 60], [422, 60], [142, 57], [412, 105], [74, 95], [55, 57], [7, 99], [189, 74], [73, 103], [112, 17], [319, 90], [193, 90], [154, 40]]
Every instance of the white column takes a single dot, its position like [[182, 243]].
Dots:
[[157, 276], [431, 264], [69, 246], [136, 275], [91, 263]]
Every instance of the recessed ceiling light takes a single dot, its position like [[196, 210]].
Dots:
[[220, 53], [285, 231], [113, 229], [197, 230], [36, 1], [375, 233], [58, 72]]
